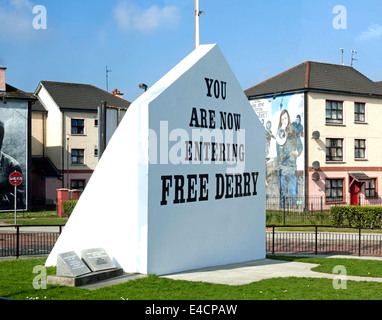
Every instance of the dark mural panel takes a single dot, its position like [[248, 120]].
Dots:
[[13, 154], [283, 119]]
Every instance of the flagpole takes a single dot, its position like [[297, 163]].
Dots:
[[196, 23]]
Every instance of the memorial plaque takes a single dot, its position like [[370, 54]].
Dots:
[[70, 265], [97, 259]]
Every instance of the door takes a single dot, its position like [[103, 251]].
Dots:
[[354, 193]]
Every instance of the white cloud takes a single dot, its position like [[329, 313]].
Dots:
[[132, 17], [16, 20], [373, 32], [21, 4]]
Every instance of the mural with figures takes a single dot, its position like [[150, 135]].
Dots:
[[283, 119], [13, 153]]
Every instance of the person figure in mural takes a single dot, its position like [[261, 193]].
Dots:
[[298, 129], [288, 147], [7, 166], [268, 136]]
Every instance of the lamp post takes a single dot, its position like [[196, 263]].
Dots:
[[143, 86], [67, 160]]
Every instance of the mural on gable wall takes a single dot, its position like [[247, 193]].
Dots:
[[283, 119], [13, 153]]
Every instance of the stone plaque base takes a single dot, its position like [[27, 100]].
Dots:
[[85, 279]]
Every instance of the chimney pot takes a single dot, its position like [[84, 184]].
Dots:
[[117, 93], [2, 79]]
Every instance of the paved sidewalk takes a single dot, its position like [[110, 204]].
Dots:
[[251, 271]]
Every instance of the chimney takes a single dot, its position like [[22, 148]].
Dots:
[[2, 79], [117, 93]]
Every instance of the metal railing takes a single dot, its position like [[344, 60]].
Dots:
[[19, 240], [313, 204], [316, 242], [39, 240]]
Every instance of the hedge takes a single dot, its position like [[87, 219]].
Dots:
[[68, 206], [357, 216]]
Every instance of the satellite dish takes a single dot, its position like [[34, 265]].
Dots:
[[316, 165], [316, 134], [315, 176]]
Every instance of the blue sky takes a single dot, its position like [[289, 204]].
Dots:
[[141, 40]]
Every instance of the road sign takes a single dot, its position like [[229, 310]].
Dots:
[[15, 178]]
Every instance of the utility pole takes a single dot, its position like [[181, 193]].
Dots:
[[197, 14]]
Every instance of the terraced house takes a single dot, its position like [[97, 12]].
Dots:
[[324, 135], [65, 135]]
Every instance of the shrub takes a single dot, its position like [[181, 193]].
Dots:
[[68, 206], [357, 216]]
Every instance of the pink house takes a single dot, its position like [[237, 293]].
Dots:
[[324, 138]]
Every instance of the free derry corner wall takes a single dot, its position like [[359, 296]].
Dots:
[[181, 184]]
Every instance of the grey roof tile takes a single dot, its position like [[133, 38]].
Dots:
[[318, 76], [81, 96]]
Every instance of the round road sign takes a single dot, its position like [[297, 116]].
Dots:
[[15, 178]]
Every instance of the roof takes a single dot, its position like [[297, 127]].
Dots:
[[37, 105], [80, 96], [359, 175], [311, 76], [14, 93]]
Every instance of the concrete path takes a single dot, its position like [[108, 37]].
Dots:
[[251, 271]]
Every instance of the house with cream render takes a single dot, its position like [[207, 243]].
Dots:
[[65, 134], [323, 135]]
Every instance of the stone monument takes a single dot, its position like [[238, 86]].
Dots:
[[181, 184]]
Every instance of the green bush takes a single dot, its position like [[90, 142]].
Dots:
[[357, 216], [68, 206]]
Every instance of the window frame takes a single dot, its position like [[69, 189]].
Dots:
[[330, 120], [78, 156], [360, 113], [337, 148], [331, 198], [375, 189], [360, 148], [77, 126], [77, 180]]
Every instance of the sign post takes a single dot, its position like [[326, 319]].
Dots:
[[15, 179]]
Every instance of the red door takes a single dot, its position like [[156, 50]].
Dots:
[[354, 193]]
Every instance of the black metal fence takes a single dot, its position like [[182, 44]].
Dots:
[[322, 242], [311, 211], [39, 240], [317, 203], [27, 240]]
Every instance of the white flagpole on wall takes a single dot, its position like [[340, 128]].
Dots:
[[196, 23]]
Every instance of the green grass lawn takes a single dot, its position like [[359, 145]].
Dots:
[[34, 218], [39, 221], [16, 282]]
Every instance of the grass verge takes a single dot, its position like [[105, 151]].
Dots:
[[16, 282]]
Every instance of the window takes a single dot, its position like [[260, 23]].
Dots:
[[359, 112], [334, 150], [77, 184], [96, 122], [370, 188], [359, 148], [334, 112], [77, 156], [77, 126], [96, 152], [334, 190]]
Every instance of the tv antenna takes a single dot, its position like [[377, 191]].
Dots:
[[342, 50], [107, 79], [352, 57]]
